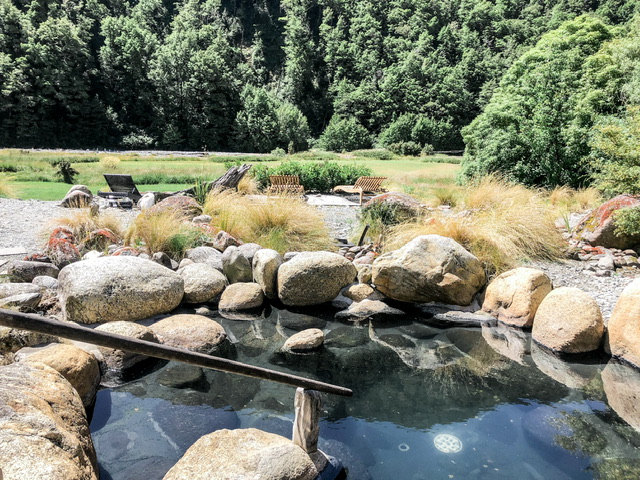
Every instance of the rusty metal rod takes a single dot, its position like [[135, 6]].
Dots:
[[72, 331]]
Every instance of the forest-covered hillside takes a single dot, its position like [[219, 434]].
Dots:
[[254, 75]]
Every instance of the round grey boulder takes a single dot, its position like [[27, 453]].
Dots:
[[312, 278], [115, 359], [236, 266], [117, 288], [26, 271], [305, 340], [202, 282]]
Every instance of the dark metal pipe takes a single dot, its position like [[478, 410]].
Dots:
[[73, 331]]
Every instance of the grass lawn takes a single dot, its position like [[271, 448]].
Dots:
[[32, 174]]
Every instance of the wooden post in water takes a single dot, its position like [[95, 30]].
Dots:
[[306, 425]]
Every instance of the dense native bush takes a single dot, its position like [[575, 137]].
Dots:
[[314, 176], [412, 149], [344, 135]]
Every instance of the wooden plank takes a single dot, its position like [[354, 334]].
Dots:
[[306, 425], [72, 331]]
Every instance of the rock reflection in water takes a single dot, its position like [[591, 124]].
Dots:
[[511, 342]]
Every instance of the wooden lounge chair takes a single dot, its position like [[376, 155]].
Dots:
[[285, 185], [121, 186], [363, 185]]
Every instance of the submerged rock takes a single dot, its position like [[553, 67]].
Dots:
[[305, 340]]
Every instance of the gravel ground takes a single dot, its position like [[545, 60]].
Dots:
[[25, 223]]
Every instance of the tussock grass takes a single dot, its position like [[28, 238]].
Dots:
[[502, 224], [566, 199], [283, 224], [248, 186], [6, 189], [83, 222], [110, 162], [162, 232]]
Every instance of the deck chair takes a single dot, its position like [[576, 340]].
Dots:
[[363, 185], [285, 185], [121, 186]]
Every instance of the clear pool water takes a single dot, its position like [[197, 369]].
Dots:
[[429, 403]]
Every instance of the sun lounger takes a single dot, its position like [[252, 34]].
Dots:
[[363, 185], [285, 185], [121, 186]]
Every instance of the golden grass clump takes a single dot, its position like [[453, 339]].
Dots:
[[282, 224], [110, 162], [566, 199], [6, 190], [164, 231], [502, 225], [248, 186], [83, 222]]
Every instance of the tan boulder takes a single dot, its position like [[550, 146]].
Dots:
[[624, 325], [241, 296], [514, 296], [265, 271], [312, 278], [192, 332], [305, 340], [80, 368], [358, 292], [115, 359], [568, 321], [44, 432], [202, 282], [245, 454], [430, 268]]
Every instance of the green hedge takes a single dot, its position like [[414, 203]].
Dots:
[[319, 177]]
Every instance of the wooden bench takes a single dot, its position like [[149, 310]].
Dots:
[[285, 185], [363, 185]]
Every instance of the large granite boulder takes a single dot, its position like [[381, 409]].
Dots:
[[514, 296], [312, 278], [265, 271], [241, 296], [202, 282], [192, 332], [244, 454], [235, 266], [207, 255], [117, 288], [598, 227], [624, 325], [568, 321], [79, 367], [26, 271], [430, 268], [116, 359], [44, 432]]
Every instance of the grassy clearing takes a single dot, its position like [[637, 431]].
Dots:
[[283, 224], [33, 175]]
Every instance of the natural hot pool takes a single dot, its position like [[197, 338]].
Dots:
[[429, 403]]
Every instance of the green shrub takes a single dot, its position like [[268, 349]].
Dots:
[[412, 149], [378, 154], [427, 150], [344, 135], [627, 221], [155, 178], [278, 152], [138, 140], [314, 176]]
